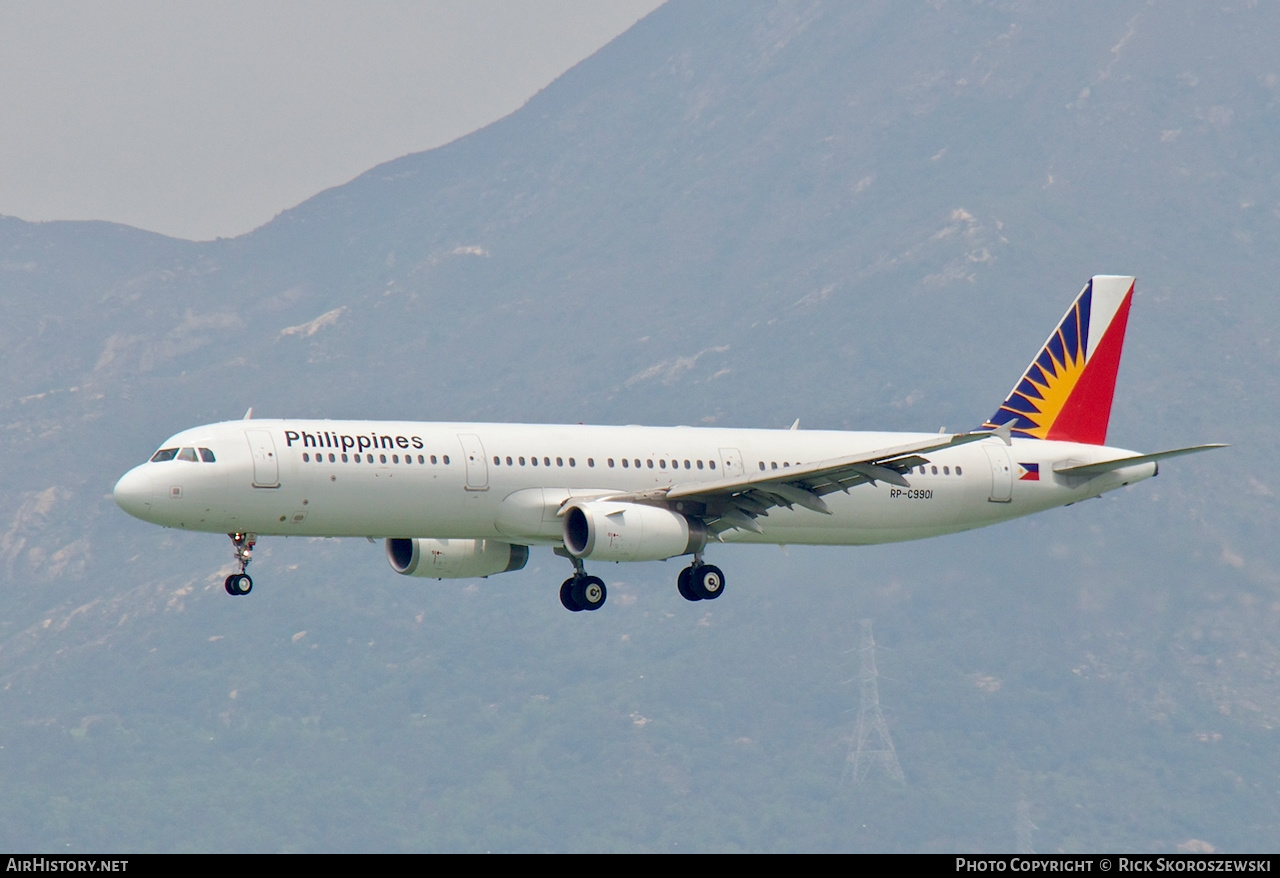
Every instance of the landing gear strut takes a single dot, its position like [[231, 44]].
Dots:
[[700, 582], [238, 584], [582, 592]]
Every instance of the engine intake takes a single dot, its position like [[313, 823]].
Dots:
[[454, 559], [608, 531]]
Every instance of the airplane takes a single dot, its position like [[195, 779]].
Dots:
[[462, 500]]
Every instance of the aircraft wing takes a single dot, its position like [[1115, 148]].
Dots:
[[737, 503], [1106, 466]]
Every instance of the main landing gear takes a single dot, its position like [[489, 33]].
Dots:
[[582, 592], [238, 584], [700, 582], [697, 582]]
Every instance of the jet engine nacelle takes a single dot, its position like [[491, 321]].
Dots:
[[609, 531], [454, 559]]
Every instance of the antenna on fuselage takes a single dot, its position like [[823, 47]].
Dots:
[[248, 416]]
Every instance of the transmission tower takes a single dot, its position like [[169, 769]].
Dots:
[[871, 745]]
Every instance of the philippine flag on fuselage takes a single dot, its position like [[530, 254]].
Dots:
[[1030, 472]]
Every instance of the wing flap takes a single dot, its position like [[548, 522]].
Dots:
[[800, 497], [735, 504]]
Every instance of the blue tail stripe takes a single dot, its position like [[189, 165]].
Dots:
[[1020, 403], [1027, 389], [1046, 363], [1055, 348], [1086, 302], [1071, 333]]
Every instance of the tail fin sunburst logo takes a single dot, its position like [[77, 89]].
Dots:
[[1066, 392]]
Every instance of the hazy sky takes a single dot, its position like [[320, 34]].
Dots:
[[207, 119]]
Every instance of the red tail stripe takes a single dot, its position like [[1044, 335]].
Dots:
[[1085, 415]]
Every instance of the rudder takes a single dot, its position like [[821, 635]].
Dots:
[[1067, 390]]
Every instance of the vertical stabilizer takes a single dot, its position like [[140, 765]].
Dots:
[[1066, 392]]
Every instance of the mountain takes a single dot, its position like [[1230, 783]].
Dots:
[[862, 215]]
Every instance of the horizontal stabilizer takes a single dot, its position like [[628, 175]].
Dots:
[[1106, 466]]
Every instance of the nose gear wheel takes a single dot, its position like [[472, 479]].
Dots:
[[240, 584]]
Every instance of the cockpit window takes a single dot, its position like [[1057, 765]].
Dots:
[[189, 454]]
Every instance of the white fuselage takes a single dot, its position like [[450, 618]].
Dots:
[[508, 481]]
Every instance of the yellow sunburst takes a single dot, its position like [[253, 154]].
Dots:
[[1055, 393]]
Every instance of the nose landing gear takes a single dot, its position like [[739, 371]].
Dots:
[[239, 584]]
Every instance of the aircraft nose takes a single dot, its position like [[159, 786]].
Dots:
[[134, 492]]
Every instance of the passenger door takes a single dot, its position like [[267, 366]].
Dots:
[[477, 466], [1001, 473], [266, 466]]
